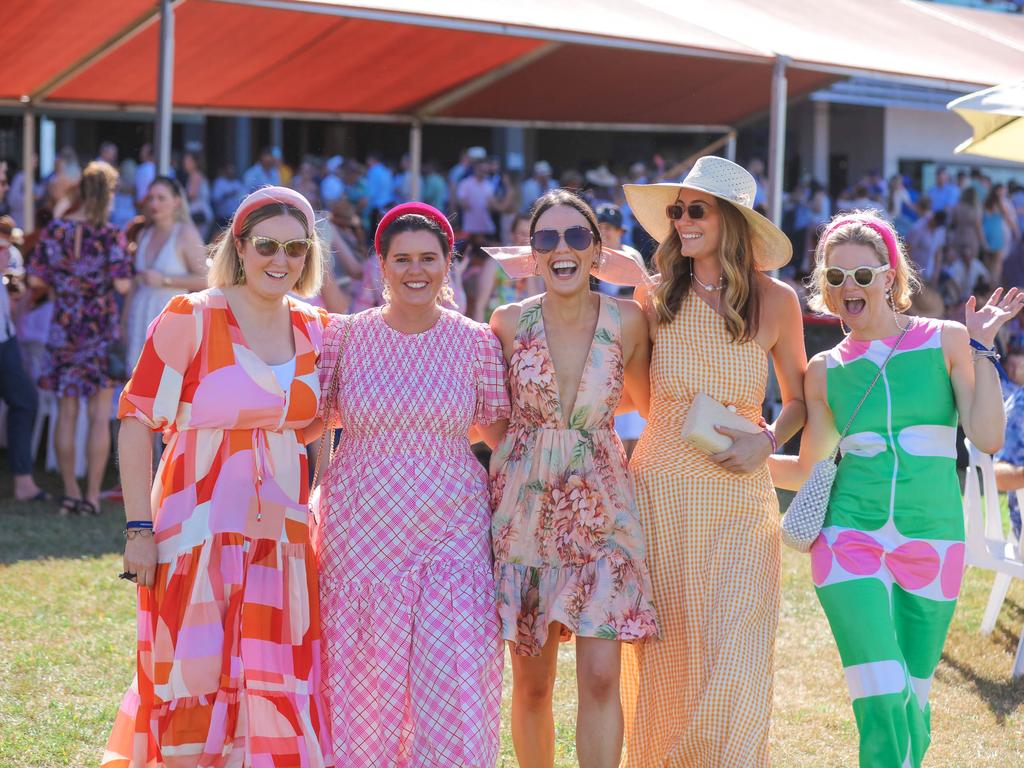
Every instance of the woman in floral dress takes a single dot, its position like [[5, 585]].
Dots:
[[411, 638], [82, 261], [568, 548]]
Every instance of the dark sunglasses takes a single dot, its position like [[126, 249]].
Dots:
[[862, 276], [268, 246], [577, 238], [695, 211]]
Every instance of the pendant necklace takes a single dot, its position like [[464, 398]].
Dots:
[[709, 287]]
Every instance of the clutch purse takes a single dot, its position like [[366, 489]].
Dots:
[[705, 414]]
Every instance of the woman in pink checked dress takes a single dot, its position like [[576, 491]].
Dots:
[[411, 637]]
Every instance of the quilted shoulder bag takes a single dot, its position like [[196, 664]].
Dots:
[[806, 512]]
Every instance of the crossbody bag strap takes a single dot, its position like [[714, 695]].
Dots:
[[846, 429], [326, 408]]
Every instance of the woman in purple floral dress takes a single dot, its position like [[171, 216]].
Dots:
[[82, 261], [568, 548]]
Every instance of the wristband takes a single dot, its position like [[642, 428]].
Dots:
[[979, 350], [771, 436], [135, 524]]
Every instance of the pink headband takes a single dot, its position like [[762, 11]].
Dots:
[[872, 222], [270, 196], [421, 209]]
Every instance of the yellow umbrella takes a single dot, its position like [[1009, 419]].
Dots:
[[994, 115]]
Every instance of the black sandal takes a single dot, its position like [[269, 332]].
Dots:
[[88, 508], [68, 505]]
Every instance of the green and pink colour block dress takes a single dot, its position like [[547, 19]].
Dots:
[[890, 558]]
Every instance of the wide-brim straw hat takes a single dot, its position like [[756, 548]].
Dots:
[[724, 180], [615, 267]]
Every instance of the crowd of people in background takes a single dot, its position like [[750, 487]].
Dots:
[[963, 233]]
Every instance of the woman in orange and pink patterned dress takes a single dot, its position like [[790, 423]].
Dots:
[[568, 549], [228, 656]]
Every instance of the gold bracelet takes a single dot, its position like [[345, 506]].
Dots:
[[134, 533]]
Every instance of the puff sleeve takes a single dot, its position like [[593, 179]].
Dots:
[[330, 359], [155, 393], [492, 403]]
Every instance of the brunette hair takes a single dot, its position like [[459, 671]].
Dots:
[[740, 298], [226, 266], [556, 197], [174, 187], [415, 222], [906, 283]]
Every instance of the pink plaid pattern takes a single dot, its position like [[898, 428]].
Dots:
[[411, 636]]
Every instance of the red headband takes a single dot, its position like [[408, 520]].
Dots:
[[422, 209], [270, 196], [874, 223]]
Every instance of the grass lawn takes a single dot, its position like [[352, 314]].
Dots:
[[67, 637]]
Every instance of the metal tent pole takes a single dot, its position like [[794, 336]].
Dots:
[[777, 140], [165, 88], [28, 151], [415, 157]]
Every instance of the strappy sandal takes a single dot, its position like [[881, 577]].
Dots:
[[68, 505], [88, 508]]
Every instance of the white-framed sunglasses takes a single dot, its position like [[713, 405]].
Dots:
[[862, 276]]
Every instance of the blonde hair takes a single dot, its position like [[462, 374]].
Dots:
[[226, 267], [740, 298], [95, 190], [853, 232]]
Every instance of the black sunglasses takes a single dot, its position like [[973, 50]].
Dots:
[[268, 246], [862, 276], [695, 211], [577, 238]]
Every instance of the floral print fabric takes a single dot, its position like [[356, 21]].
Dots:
[[566, 534], [86, 320]]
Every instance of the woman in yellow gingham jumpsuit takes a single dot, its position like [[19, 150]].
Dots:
[[701, 695]]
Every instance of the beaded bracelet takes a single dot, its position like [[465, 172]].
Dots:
[[979, 351]]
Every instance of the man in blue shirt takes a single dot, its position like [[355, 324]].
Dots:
[[262, 173], [1009, 462], [945, 194], [380, 185]]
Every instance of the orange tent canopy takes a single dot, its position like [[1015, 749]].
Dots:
[[663, 62]]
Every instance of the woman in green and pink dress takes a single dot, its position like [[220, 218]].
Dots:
[[888, 563], [568, 547]]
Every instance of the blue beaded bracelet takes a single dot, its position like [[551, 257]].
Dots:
[[132, 525]]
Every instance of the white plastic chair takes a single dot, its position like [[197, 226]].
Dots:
[[988, 545]]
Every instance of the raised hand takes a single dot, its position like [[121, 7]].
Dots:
[[983, 324]]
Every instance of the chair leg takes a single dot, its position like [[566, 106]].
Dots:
[[995, 602], [1018, 662]]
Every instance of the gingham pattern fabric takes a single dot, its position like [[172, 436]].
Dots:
[[228, 660], [413, 653], [701, 694]]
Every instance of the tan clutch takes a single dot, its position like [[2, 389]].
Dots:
[[705, 414]]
